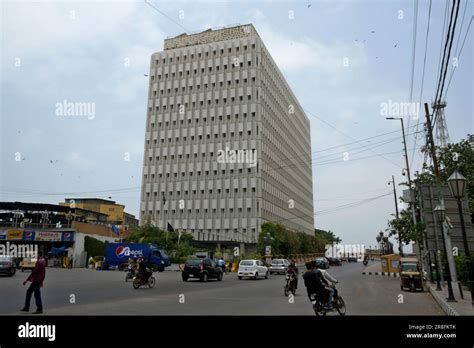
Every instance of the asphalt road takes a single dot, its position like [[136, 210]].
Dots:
[[89, 292]]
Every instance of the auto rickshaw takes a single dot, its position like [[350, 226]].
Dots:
[[410, 274]]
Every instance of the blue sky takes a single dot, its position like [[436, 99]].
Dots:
[[98, 52]]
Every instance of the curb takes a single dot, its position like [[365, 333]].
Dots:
[[387, 274], [442, 302]]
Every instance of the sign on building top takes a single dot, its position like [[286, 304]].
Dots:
[[210, 36]]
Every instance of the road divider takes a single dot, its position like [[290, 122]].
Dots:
[[387, 274]]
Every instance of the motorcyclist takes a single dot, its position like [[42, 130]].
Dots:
[[221, 264], [292, 269], [327, 287], [313, 280], [143, 269], [132, 265], [331, 280]]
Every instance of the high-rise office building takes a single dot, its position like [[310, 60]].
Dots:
[[227, 144]]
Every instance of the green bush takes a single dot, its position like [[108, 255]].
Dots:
[[286, 242], [461, 268], [94, 247]]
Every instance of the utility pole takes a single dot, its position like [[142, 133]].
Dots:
[[400, 249], [432, 150], [412, 199]]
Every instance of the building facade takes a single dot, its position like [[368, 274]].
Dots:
[[115, 213], [227, 145]]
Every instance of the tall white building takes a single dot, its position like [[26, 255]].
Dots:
[[227, 144]]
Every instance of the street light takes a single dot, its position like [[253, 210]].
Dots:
[[440, 216], [457, 186]]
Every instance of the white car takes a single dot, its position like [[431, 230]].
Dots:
[[252, 269]]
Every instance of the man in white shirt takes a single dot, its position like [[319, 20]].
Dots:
[[331, 280]]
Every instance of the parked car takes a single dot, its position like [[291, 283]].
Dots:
[[252, 269], [28, 263], [322, 262], [278, 266], [202, 269], [7, 265], [334, 261], [352, 259]]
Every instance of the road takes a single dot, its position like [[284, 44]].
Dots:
[[84, 291]]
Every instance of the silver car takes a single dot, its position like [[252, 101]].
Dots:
[[7, 265], [279, 266]]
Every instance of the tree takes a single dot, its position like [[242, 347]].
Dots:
[[329, 236], [147, 233], [404, 229], [460, 157], [286, 242]]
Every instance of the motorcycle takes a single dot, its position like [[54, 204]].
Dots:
[[138, 281], [365, 262], [319, 302], [130, 273], [290, 285]]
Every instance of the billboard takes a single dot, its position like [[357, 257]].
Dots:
[[29, 235], [3, 234], [15, 234], [48, 236], [67, 237]]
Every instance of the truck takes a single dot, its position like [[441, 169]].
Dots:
[[118, 254]]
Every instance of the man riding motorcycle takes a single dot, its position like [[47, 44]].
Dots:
[[292, 269], [221, 264], [143, 269], [314, 281], [330, 279]]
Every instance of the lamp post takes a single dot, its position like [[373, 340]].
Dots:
[[440, 215], [457, 186]]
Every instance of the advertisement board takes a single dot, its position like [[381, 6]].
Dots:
[[15, 234], [48, 236]]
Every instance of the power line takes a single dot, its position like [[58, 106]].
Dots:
[[449, 51], [442, 40], [444, 61], [413, 57], [459, 55], [348, 136], [422, 81]]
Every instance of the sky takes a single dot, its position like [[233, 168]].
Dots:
[[344, 60]]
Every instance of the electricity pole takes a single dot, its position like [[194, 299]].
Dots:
[[400, 249]]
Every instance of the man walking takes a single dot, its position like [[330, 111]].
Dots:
[[36, 278]]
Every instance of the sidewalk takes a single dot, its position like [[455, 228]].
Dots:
[[461, 307]]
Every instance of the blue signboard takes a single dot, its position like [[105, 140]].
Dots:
[[29, 235], [67, 237]]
